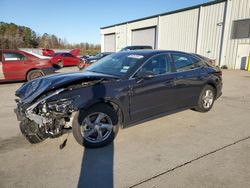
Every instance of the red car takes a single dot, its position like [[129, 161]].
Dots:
[[64, 59], [20, 65], [47, 52]]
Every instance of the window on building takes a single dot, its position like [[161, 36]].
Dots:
[[241, 29]]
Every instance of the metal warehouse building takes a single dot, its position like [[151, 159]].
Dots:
[[219, 30]]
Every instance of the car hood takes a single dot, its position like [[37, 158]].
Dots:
[[33, 89]]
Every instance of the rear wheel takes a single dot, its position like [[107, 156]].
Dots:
[[206, 99], [60, 64], [95, 127], [34, 74]]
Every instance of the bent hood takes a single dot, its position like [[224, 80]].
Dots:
[[33, 89]]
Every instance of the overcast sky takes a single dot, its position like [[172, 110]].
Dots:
[[80, 20]]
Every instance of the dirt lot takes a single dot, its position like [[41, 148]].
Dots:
[[185, 149]]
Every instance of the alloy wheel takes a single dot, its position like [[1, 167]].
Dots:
[[207, 99], [96, 127]]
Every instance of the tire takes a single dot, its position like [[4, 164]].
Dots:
[[81, 65], [93, 127], [32, 132], [60, 64], [34, 74], [206, 99]]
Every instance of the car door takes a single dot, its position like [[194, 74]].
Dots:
[[64, 59], [2, 77], [15, 65], [155, 95], [190, 75], [70, 59]]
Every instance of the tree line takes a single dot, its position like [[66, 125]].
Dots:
[[13, 36]]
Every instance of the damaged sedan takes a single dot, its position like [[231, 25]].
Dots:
[[118, 90]]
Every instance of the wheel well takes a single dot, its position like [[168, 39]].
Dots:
[[211, 84], [113, 105], [29, 72]]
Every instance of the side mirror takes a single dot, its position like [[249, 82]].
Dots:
[[144, 76]]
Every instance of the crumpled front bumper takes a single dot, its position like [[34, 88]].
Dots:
[[20, 114]]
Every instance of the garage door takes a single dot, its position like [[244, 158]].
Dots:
[[144, 37], [109, 42]]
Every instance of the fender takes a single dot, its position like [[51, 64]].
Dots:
[[112, 101]]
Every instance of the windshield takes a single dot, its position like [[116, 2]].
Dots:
[[54, 54], [117, 64]]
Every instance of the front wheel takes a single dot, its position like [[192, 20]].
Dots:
[[34, 74], [81, 65], [95, 127], [206, 99], [32, 132]]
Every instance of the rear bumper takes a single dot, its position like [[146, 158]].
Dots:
[[219, 90]]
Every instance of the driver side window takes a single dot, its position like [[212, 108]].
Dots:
[[12, 56], [157, 65]]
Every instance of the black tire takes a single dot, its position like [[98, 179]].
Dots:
[[82, 114], [34, 74], [81, 65], [60, 64], [202, 107], [32, 132]]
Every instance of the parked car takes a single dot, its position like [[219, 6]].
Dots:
[[64, 59], [20, 65], [141, 47], [114, 92], [85, 57], [88, 61], [47, 52]]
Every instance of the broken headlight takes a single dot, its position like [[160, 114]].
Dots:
[[62, 105]]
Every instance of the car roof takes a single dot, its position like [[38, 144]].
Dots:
[[138, 46], [150, 52]]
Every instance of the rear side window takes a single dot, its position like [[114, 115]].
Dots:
[[68, 55], [12, 56], [185, 62]]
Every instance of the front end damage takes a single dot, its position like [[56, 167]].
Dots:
[[45, 119], [50, 114]]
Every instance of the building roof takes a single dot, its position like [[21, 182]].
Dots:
[[167, 13]]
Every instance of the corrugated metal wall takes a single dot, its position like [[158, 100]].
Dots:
[[121, 36], [236, 10], [205, 30], [178, 31], [210, 30]]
